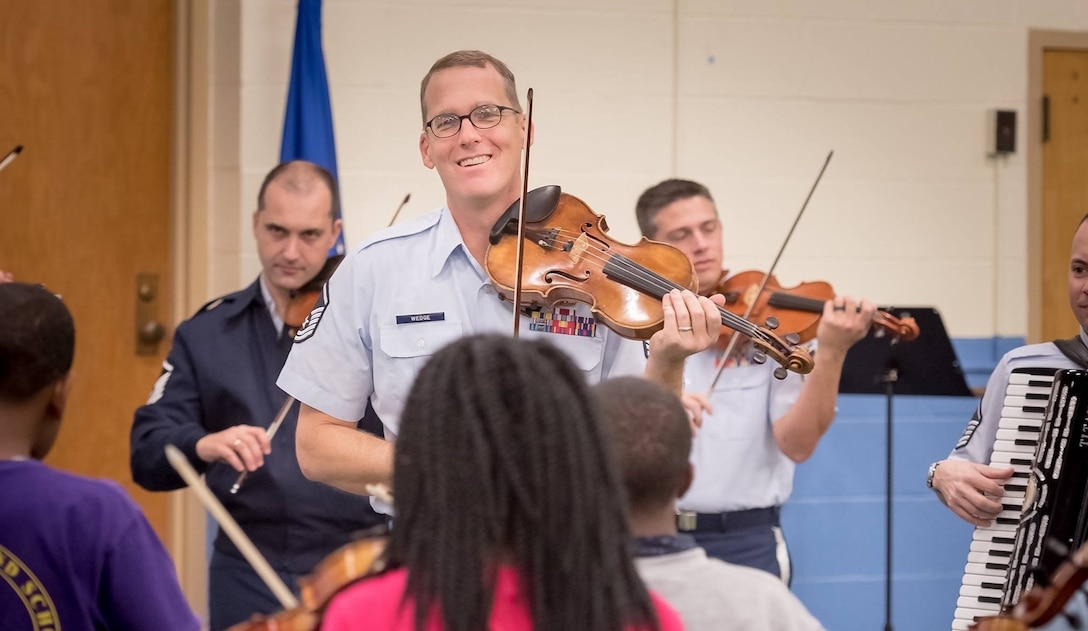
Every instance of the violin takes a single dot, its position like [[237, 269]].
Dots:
[[797, 309], [569, 257], [353, 562], [1042, 603], [302, 300]]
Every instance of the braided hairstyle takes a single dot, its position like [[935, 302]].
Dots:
[[503, 458]]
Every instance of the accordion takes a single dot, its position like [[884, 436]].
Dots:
[[1043, 436]]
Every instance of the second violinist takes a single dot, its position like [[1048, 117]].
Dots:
[[755, 428], [216, 397]]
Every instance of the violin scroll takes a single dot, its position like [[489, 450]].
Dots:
[[797, 309], [906, 329]]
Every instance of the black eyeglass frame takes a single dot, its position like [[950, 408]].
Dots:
[[461, 119]]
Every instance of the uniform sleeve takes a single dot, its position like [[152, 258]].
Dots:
[[330, 364], [139, 588], [977, 442], [172, 415]]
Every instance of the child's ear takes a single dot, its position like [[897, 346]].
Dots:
[[689, 476], [59, 400]]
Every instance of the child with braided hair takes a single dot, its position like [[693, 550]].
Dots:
[[510, 512]]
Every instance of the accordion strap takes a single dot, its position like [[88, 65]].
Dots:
[[1074, 349]]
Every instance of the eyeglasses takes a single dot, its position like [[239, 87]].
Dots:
[[483, 117]]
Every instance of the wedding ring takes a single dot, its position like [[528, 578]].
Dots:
[[237, 441], [684, 328], [839, 308]]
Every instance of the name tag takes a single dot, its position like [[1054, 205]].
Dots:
[[421, 317]]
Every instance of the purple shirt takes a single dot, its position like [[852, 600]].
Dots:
[[77, 554]]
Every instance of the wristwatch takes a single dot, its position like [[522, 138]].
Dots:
[[932, 471]]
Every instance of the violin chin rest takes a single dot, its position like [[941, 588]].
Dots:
[[542, 202]]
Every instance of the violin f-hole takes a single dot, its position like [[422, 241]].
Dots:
[[549, 276]]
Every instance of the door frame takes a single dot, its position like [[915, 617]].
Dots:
[[190, 161], [1039, 41]]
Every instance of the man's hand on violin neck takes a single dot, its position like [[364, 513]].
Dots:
[[242, 447], [844, 322], [691, 324]]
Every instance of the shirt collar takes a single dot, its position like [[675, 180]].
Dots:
[[270, 304], [659, 545], [447, 242]]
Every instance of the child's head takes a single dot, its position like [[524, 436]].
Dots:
[[37, 343]]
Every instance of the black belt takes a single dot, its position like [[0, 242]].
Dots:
[[687, 521]]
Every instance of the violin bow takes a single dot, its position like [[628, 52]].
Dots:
[[519, 261], [231, 527], [270, 432], [402, 204], [14, 153], [767, 276]]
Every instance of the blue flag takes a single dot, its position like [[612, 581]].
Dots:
[[307, 124]]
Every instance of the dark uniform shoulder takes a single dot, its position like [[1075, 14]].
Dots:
[[228, 304]]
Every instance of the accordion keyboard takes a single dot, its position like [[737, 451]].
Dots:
[[1022, 417]]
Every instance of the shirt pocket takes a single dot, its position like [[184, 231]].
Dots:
[[585, 352], [740, 401], [420, 339], [405, 349]]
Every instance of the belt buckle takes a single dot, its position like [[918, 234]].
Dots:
[[686, 520]]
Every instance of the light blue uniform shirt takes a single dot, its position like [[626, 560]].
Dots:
[[738, 464], [400, 297]]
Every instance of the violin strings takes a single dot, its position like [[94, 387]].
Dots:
[[651, 278], [655, 280], [663, 285]]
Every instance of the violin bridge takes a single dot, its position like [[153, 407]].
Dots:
[[575, 249]]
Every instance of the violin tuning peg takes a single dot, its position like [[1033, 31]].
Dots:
[[780, 373], [793, 339], [771, 322], [759, 357]]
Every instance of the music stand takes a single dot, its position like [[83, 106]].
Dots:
[[878, 364]]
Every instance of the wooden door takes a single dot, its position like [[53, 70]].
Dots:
[[85, 87], [1065, 179]]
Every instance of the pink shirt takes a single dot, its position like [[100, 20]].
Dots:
[[375, 605]]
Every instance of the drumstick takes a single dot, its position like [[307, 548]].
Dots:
[[229, 526]]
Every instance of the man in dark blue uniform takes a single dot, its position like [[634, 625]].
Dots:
[[217, 396]]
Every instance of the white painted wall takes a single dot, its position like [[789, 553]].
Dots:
[[746, 96]]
